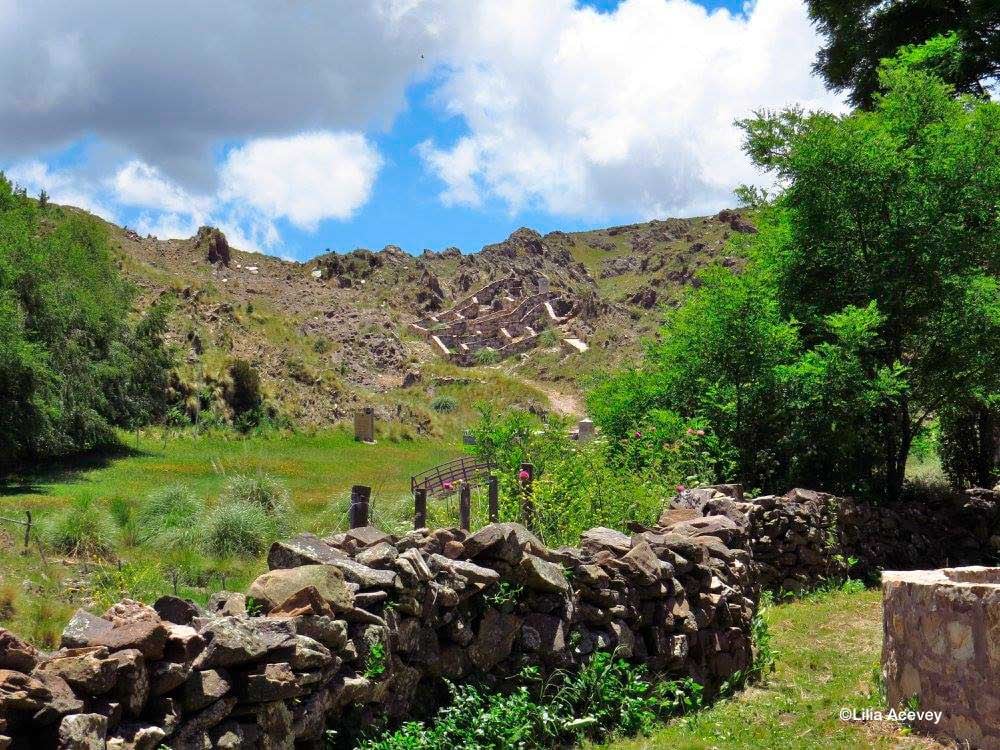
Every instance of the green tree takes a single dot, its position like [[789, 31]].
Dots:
[[859, 34], [869, 304], [73, 366]]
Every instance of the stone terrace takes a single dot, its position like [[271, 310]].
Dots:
[[507, 315]]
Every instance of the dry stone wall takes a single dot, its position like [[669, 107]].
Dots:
[[365, 625], [803, 538]]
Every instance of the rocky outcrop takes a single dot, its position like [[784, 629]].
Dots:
[[366, 625], [212, 243]]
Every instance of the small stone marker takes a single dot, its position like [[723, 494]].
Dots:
[[585, 431], [543, 284], [364, 425]]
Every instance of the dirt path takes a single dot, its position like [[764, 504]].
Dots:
[[564, 403]]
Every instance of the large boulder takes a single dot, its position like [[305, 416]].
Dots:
[[502, 541], [539, 575], [15, 653], [83, 732], [274, 587], [88, 670], [21, 693], [304, 549], [495, 640], [601, 539]]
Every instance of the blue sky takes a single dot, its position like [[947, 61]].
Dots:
[[447, 124]]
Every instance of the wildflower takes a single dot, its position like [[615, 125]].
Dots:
[[681, 488], [447, 486], [701, 433], [523, 475]]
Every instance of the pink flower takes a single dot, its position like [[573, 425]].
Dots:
[[638, 434], [447, 485], [681, 488], [701, 433], [690, 431], [523, 475]]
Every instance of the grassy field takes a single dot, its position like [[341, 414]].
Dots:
[[38, 592], [828, 651]]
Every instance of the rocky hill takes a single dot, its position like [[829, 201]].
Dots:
[[330, 333]]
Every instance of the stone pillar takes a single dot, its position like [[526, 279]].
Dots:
[[364, 425], [585, 431]]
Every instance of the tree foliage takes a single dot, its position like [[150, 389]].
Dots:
[[869, 304], [859, 34], [72, 365]]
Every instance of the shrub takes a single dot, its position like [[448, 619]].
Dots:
[[237, 527], [263, 490], [487, 356], [84, 528], [608, 697], [169, 517], [246, 395], [443, 404]]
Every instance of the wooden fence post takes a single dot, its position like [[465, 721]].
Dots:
[[465, 507], [493, 489], [27, 531], [419, 508], [526, 477], [360, 495]]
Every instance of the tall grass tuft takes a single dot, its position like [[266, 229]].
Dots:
[[268, 493], [238, 527], [170, 517], [84, 528]]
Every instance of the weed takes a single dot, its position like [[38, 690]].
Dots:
[[375, 665], [265, 491], [505, 596], [444, 404]]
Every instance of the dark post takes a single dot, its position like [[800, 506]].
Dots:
[[526, 477], [465, 507], [360, 495], [493, 489], [27, 531], [419, 508]]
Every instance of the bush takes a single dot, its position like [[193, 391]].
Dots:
[[266, 492], [169, 517], [442, 404], [246, 395], [237, 528], [607, 698], [84, 528], [576, 486], [487, 356]]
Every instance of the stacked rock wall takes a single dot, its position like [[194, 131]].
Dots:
[[364, 625], [803, 538]]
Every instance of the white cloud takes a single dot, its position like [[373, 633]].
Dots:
[[305, 178], [592, 114], [139, 184], [68, 187]]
